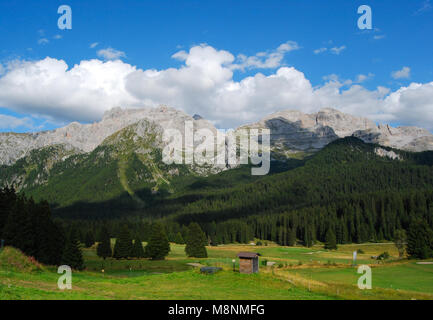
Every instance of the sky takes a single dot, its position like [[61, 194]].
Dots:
[[232, 62]]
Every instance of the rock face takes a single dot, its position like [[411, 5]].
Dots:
[[294, 131], [405, 138], [291, 132], [86, 137]]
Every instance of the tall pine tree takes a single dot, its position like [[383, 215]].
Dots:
[[72, 255], [137, 248], [331, 240], [104, 246], [123, 245], [420, 240], [158, 246], [196, 242]]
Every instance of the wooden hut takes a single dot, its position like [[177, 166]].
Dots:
[[248, 262]]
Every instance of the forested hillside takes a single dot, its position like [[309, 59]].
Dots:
[[346, 187]]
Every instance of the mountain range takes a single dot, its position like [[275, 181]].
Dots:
[[119, 159]]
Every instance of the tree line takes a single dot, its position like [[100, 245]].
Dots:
[[29, 226]]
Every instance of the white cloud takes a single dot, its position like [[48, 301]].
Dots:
[[401, 74], [110, 54], [93, 45], [58, 36], [320, 50], [10, 122], [334, 50], [265, 60], [378, 37], [43, 41], [337, 50], [49, 88], [203, 84], [364, 77]]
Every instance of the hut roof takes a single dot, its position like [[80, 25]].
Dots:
[[248, 255]]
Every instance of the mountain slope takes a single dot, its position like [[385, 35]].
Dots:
[[126, 163], [345, 168]]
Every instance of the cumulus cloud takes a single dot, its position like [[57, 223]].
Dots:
[[10, 122], [401, 74], [110, 54], [48, 88], [202, 84], [93, 45]]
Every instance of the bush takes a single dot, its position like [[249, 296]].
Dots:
[[383, 256], [360, 251]]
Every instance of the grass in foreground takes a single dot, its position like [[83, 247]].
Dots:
[[300, 273]]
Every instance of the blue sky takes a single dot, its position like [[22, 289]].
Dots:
[[146, 35]]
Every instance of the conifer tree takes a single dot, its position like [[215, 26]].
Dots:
[[420, 240], [331, 240], [72, 255], [158, 246], [137, 248], [292, 237], [400, 241], [196, 242], [90, 239], [179, 239], [123, 245], [104, 247]]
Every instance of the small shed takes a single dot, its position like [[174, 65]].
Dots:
[[248, 262]]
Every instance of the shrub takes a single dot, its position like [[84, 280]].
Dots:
[[383, 256]]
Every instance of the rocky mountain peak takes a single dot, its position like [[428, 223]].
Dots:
[[294, 131], [291, 131]]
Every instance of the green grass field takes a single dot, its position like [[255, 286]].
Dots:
[[298, 273]]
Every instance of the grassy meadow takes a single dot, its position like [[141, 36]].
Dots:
[[298, 273]]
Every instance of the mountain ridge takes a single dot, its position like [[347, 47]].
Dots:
[[292, 130]]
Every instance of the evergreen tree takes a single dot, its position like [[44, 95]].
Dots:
[[420, 240], [72, 255], [123, 245], [196, 242], [400, 241], [137, 248], [179, 239], [291, 241], [104, 247], [90, 239], [7, 201], [158, 246], [331, 240], [308, 236]]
